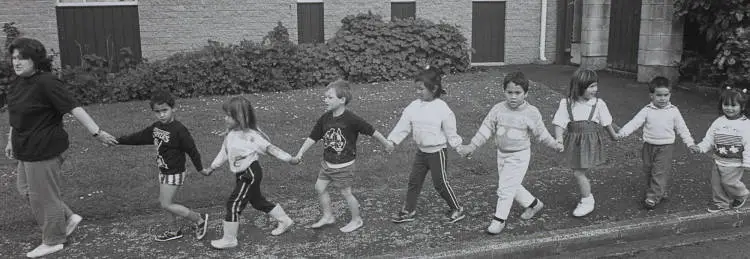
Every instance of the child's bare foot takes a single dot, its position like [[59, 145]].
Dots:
[[322, 222], [353, 225]]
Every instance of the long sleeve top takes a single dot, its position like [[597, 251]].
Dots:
[[241, 148], [432, 124], [172, 141], [659, 125], [730, 141], [512, 129]]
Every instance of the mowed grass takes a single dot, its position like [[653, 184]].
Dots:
[[112, 182]]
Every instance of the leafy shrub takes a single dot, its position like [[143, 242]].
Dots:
[[366, 49], [734, 58], [724, 24]]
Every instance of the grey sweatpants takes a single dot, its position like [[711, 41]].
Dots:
[[39, 183], [727, 185], [657, 164]]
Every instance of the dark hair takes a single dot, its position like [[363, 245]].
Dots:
[[659, 82], [581, 80], [161, 97], [431, 77], [343, 89], [518, 78], [241, 111], [29, 48], [734, 96]]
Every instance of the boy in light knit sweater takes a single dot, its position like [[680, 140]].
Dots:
[[512, 123], [660, 120]]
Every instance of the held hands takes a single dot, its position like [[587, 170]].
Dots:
[[389, 147], [9, 151], [465, 150], [695, 149], [106, 138], [295, 160], [207, 171], [559, 147]]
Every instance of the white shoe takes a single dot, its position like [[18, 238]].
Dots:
[[72, 224], [224, 243], [230, 236], [43, 250], [530, 212], [495, 226], [585, 206]]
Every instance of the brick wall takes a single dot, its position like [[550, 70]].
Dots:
[[169, 26], [34, 18], [660, 41]]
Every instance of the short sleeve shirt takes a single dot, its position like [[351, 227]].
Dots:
[[581, 111], [36, 106], [339, 135]]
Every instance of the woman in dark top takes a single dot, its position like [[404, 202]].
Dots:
[[37, 101]]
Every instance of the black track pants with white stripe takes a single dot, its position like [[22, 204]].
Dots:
[[247, 190], [435, 163]]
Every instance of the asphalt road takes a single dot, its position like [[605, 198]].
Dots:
[[718, 244]]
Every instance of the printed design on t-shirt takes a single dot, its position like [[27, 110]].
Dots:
[[728, 143], [334, 139], [160, 137]]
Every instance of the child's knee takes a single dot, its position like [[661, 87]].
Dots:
[[347, 192], [579, 174]]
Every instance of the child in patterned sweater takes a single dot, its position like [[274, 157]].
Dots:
[[512, 123], [729, 138]]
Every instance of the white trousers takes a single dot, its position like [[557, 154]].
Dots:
[[511, 168]]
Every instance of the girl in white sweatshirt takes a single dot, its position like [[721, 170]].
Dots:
[[242, 146], [729, 139], [434, 127]]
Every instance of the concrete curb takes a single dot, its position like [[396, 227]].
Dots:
[[557, 241]]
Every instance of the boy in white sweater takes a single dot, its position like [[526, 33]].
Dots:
[[511, 124], [660, 120]]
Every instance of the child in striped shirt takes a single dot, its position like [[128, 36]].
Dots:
[[512, 123], [729, 138], [433, 125]]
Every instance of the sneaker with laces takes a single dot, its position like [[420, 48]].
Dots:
[[456, 215], [43, 250], [169, 235], [404, 216], [529, 212], [585, 206], [713, 208], [738, 203], [200, 229], [649, 204]]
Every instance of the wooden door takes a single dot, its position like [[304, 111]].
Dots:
[[624, 30], [100, 30], [488, 32]]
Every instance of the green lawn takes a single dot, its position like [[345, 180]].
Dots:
[[108, 182]]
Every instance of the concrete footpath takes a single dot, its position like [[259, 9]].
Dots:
[[618, 217]]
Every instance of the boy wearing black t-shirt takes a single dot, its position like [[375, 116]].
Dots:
[[172, 140], [339, 129]]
